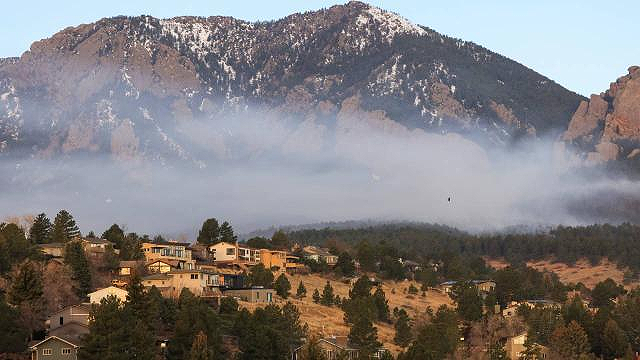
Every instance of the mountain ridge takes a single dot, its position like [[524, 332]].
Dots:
[[125, 85]]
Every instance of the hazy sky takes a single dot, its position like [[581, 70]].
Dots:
[[583, 45]]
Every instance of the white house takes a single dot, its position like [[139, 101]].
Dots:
[[224, 251], [96, 296]]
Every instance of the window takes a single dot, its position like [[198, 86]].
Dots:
[[47, 352], [194, 276], [66, 351], [231, 251], [61, 320], [257, 294]]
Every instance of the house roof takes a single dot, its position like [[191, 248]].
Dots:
[[108, 287], [156, 277], [80, 308], [128, 263], [54, 338], [52, 245], [172, 263], [94, 240]]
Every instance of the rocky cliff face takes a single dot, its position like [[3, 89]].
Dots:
[[129, 86], [607, 127]]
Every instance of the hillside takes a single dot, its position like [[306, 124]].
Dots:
[[135, 87]]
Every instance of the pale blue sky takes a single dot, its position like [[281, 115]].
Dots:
[[583, 45]]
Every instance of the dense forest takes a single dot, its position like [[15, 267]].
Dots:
[[426, 242]]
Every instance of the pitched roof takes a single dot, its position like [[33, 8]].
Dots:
[[54, 338], [52, 245]]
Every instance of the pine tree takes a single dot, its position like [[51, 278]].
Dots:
[[226, 233], [109, 335], [614, 341], [382, 305], [282, 286], [40, 232], [115, 235], [199, 348], [403, 329], [280, 240], [327, 295], [260, 276], [209, 233], [570, 342], [26, 293], [110, 260], [469, 301], [14, 247], [316, 296], [364, 336], [345, 264], [302, 291], [75, 257], [64, 228], [12, 335]]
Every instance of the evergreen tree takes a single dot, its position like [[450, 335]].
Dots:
[[26, 294], [312, 351], [193, 316], [614, 341], [468, 300], [327, 295], [570, 342], [436, 340], [64, 228], [110, 261], [210, 232], [282, 286], [364, 336], [226, 233], [199, 348], [75, 257], [40, 232], [403, 329], [12, 335], [345, 265], [279, 240], [316, 296], [115, 235], [302, 291], [131, 247], [604, 292], [382, 305], [14, 247], [260, 276], [109, 332], [366, 256]]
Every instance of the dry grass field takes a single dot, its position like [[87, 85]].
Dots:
[[582, 271], [329, 320]]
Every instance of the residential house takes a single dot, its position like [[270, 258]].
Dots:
[[95, 247], [318, 254], [335, 347], [169, 251], [254, 294], [514, 347], [274, 259], [199, 282], [71, 314], [129, 268], [249, 255], [52, 249], [55, 348], [293, 264], [96, 296], [512, 308], [483, 286], [224, 252], [162, 266]]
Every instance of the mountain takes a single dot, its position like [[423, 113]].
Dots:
[[607, 126], [131, 86]]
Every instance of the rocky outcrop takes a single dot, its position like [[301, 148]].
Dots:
[[607, 127]]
